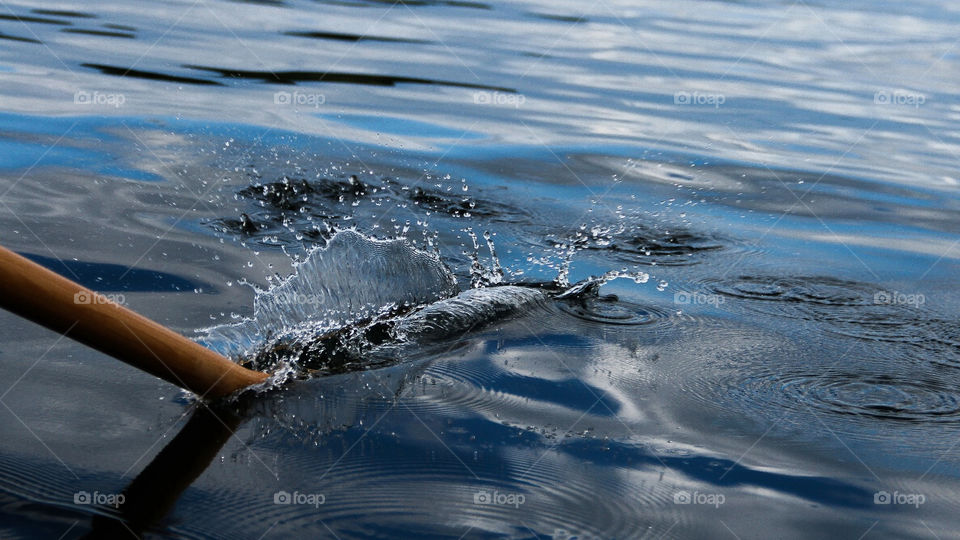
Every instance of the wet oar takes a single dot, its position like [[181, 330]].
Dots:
[[156, 489], [49, 299]]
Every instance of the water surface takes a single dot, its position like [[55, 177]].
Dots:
[[775, 183]]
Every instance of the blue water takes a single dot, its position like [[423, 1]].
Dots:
[[775, 181]]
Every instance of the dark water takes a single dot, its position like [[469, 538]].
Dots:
[[769, 190]]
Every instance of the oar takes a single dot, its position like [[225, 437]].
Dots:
[[49, 299], [156, 489]]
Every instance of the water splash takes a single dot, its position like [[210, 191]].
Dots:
[[480, 275], [361, 303], [351, 279], [350, 305]]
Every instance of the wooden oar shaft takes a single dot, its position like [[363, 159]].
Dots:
[[49, 299]]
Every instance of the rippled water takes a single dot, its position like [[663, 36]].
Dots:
[[767, 192]]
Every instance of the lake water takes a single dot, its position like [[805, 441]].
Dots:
[[769, 189]]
